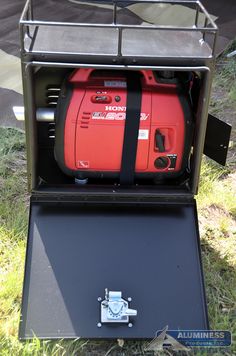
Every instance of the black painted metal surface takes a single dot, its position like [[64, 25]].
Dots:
[[217, 139], [150, 253]]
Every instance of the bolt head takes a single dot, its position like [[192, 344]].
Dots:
[[130, 325], [99, 325], [129, 299], [99, 299]]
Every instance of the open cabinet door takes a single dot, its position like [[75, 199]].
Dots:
[[217, 139], [150, 253]]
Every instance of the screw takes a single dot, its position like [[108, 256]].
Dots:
[[130, 325], [129, 299], [99, 325], [99, 299]]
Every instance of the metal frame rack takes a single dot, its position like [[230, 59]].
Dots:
[[32, 58], [30, 27], [139, 242]]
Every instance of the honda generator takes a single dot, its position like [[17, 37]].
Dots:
[[127, 124]]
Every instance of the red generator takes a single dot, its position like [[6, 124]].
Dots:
[[112, 123]]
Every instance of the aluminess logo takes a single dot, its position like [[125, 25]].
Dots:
[[163, 340], [184, 340]]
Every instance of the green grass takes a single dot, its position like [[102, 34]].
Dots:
[[13, 225], [13, 181], [223, 100], [217, 213], [217, 219]]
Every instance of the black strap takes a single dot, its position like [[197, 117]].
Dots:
[[130, 143]]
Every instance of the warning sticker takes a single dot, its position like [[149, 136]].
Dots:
[[143, 134]]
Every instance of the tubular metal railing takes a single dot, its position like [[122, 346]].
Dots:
[[29, 25]]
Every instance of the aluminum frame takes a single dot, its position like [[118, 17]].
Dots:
[[30, 62], [28, 22], [30, 111], [66, 198]]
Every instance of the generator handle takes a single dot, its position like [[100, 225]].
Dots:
[[82, 75], [149, 77]]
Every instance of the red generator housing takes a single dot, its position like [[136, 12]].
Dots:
[[90, 123]]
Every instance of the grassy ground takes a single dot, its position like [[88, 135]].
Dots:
[[217, 217]]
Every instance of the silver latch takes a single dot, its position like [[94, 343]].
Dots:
[[115, 309]]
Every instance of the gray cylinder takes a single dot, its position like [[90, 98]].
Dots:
[[42, 114]]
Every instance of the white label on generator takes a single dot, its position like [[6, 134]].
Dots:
[[143, 134], [115, 84], [116, 116]]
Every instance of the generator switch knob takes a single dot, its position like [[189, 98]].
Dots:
[[162, 162]]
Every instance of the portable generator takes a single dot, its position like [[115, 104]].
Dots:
[[109, 122]]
